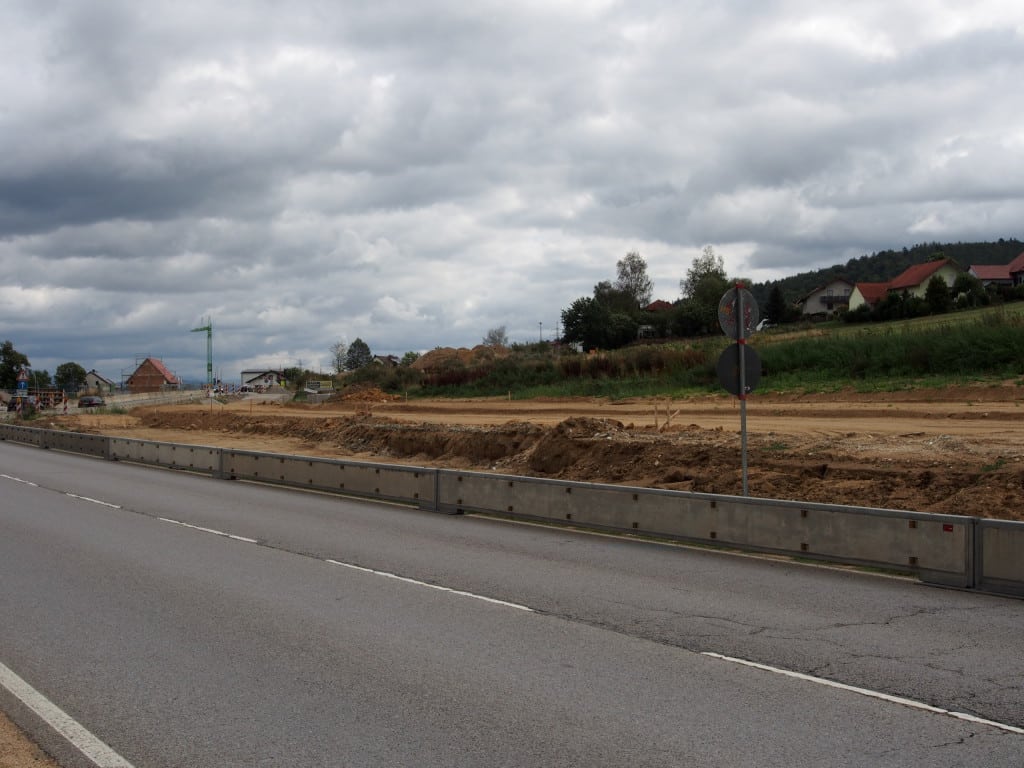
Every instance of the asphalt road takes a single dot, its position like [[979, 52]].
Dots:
[[294, 644]]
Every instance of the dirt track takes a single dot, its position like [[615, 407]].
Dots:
[[955, 450]]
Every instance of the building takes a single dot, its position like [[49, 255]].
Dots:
[[94, 382], [827, 299], [1000, 274], [913, 281], [867, 293], [152, 376]]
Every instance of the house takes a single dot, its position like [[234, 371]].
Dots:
[[867, 293], [261, 379], [152, 376], [1016, 268], [94, 382], [659, 305], [991, 274], [1000, 274], [913, 281], [387, 361], [827, 299]]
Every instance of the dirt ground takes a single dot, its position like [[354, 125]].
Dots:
[[958, 450]]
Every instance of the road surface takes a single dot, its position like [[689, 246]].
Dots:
[[185, 621]]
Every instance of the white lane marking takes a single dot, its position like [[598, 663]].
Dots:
[[867, 692], [93, 501], [19, 480], [90, 746], [214, 531], [439, 588]]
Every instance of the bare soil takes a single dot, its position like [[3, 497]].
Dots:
[[958, 450]]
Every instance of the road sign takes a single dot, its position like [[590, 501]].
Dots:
[[728, 313], [728, 368]]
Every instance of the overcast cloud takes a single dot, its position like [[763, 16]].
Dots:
[[416, 173]]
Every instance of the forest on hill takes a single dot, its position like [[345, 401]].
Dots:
[[885, 265]]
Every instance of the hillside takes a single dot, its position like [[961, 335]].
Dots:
[[885, 265]]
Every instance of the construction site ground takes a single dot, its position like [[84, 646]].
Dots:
[[956, 450]]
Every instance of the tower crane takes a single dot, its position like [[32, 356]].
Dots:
[[209, 349]]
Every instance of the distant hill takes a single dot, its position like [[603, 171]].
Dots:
[[885, 265]]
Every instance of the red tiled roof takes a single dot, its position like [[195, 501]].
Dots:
[[872, 292], [991, 271], [658, 305], [162, 369], [1017, 265], [917, 274]]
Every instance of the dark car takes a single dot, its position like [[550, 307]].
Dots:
[[90, 401]]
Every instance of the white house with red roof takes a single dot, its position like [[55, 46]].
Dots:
[[867, 293], [914, 280]]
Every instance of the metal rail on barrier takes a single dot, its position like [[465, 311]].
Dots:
[[940, 549]]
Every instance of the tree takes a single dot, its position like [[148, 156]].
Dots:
[[409, 358], [937, 296], [339, 351], [709, 265], [69, 377], [703, 287], [775, 309], [496, 337], [633, 279], [585, 322], [358, 355], [11, 361], [39, 380], [615, 299]]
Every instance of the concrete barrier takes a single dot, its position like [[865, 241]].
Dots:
[[20, 434], [387, 482], [76, 442], [940, 549], [1000, 556], [937, 548], [196, 458]]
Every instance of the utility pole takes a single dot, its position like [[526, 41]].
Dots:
[[209, 349]]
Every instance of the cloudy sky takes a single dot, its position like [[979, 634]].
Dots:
[[416, 172]]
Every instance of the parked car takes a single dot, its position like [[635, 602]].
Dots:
[[91, 401]]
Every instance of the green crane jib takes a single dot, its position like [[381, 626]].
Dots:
[[209, 349]]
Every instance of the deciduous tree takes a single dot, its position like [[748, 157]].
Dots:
[[69, 377], [633, 279]]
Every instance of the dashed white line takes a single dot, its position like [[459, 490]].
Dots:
[[867, 692], [93, 501], [439, 588], [84, 741], [214, 531], [19, 480]]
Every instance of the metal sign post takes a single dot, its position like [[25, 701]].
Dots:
[[739, 367]]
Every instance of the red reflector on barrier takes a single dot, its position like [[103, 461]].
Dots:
[[948, 527]]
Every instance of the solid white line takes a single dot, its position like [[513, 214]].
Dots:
[[90, 746], [439, 588], [19, 480], [93, 501], [214, 531], [867, 692]]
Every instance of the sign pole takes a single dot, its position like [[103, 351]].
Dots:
[[741, 342]]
